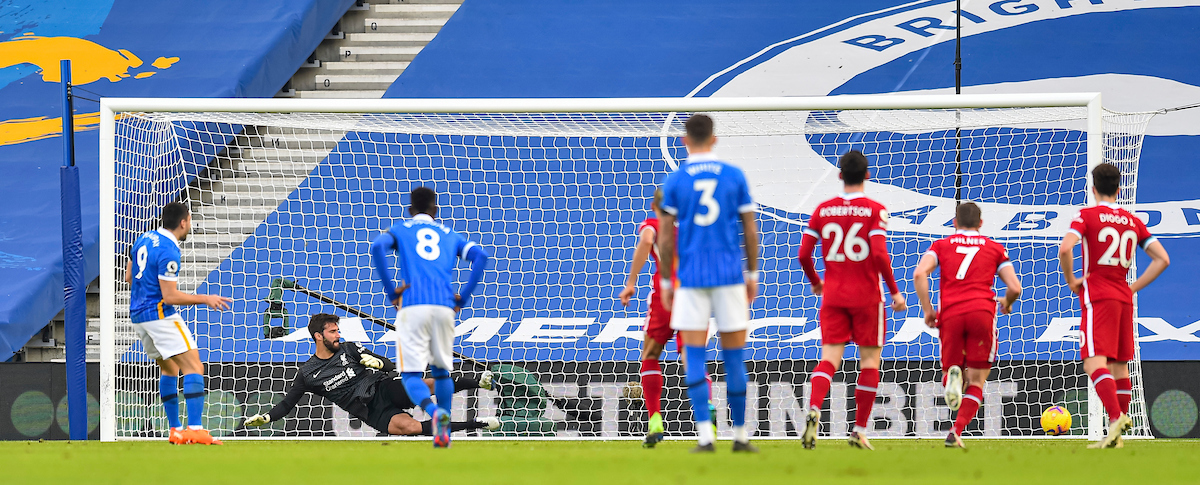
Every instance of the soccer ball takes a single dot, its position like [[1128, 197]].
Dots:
[[1056, 420]]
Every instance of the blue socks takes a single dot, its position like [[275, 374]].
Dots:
[[697, 383], [168, 389], [418, 391], [193, 393], [735, 381], [443, 387]]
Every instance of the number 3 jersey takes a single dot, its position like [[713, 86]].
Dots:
[[845, 225], [707, 198], [968, 262], [427, 252], [1110, 235]]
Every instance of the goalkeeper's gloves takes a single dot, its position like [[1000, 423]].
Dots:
[[258, 420], [371, 361]]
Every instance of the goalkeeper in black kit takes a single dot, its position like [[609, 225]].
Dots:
[[362, 383]]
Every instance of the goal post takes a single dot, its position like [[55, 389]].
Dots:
[[294, 190]]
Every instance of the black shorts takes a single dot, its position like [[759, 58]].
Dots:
[[389, 400]]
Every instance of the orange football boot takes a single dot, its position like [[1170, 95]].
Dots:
[[200, 437], [176, 437]]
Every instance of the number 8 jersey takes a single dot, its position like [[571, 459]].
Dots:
[[845, 225], [427, 252], [1109, 234]]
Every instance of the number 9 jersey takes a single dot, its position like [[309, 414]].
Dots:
[[1109, 235]]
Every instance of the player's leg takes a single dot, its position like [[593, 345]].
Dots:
[[491, 424], [168, 391], [835, 332], [1099, 332], [412, 355], [658, 331], [1119, 367], [867, 327], [193, 396], [690, 314], [979, 353], [732, 314], [441, 353], [950, 337]]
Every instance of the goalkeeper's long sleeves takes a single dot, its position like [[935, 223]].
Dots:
[[479, 259]]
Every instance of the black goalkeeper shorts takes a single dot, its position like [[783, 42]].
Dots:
[[389, 400]]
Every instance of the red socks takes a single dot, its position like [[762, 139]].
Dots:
[[652, 385], [1106, 388], [972, 399], [864, 396], [1124, 393], [820, 381]]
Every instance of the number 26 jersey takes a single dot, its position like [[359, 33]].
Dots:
[[1110, 235], [845, 225]]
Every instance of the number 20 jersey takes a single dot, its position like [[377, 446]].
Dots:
[[845, 225], [427, 252], [1110, 235]]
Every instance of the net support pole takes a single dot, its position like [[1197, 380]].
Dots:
[[958, 114], [74, 286], [1095, 156], [108, 273]]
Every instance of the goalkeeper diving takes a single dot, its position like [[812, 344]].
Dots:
[[363, 384]]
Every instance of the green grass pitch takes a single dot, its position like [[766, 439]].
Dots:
[[1010, 462]]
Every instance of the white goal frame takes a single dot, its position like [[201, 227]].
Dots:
[[109, 107]]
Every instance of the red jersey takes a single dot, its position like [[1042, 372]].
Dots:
[[1109, 234], [969, 263], [852, 230], [652, 223]]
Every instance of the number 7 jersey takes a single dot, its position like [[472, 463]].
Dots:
[[1110, 235], [844, 225]]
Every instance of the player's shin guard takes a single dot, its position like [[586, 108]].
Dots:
[[418, 391], [697, 389], [972, 399], [864, 397], [652, 386], [168, 390], [1106, 389], [1124, 393], [735, 380], [443, 387], [820, 381], [193, 394]]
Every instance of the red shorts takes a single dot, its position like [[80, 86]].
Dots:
[[658, 321], [863, 325], [968, 339], [1107, 329]]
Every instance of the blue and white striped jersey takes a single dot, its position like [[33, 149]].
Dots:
[[155, 257], [707, 197], [427, 252]]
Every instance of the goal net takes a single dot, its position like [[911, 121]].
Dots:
[[286, 196]]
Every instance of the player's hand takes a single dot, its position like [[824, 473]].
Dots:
[[258, 419], [818, 287], [1005, 305], [751, 290], [898, 304], [399, 295], [458, 303], [217, 302], [931, 319], [1077, 285], [371, 361], [627, 294], [667, 293]]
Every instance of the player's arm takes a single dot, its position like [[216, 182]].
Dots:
[[1012, 287], [380, 247], [808, 243], [278, 411], [925, 267], [666, 257], [883, 262], [172, 296], [478, 258], [1066, 260], [640, 254], [750, 235], [1159, 260]]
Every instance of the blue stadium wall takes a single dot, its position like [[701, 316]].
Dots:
[[220, 48]]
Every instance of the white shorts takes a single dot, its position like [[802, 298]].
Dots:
[[165, 338], [727, 304], [424, 336]]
